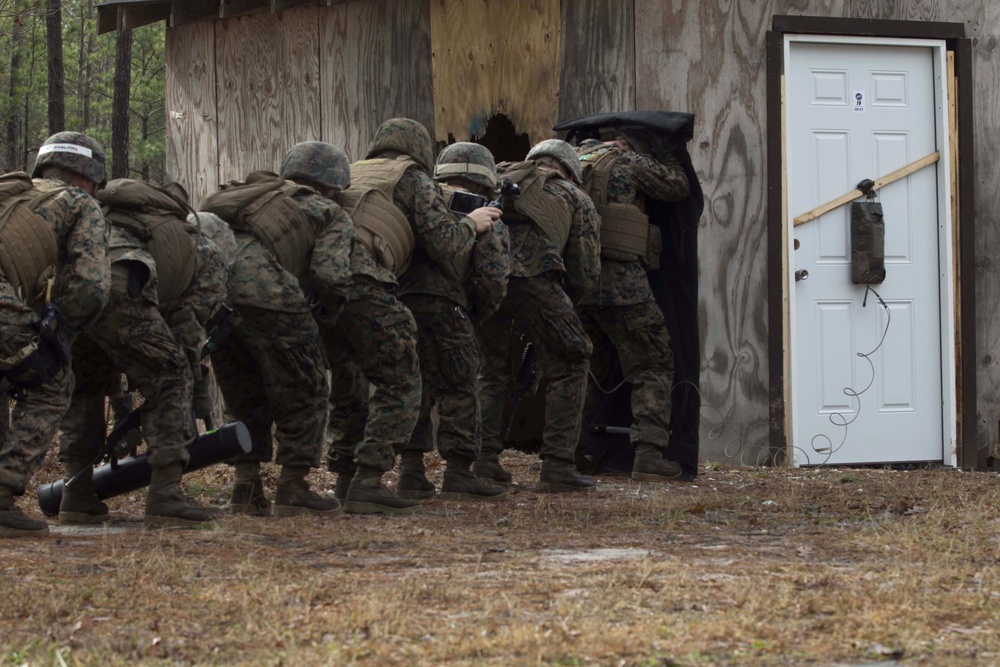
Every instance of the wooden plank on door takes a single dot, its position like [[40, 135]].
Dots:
[[598, 58], [494, 57], [192, 152], [298, 75]]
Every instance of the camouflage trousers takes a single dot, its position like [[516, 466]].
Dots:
[[639, 335], [374, 341], [272, 372], [32, 426], [449, 367], [136, 340], [541, 309]]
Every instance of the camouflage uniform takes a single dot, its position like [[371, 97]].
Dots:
[[545, 284], [380, 332], [80, 291], [622, 315]]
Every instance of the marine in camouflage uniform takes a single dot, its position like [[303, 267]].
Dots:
[[152, 330], [545, 285], [375, 339], [623, 316], [449, 356], [272, 370], [80, 290]]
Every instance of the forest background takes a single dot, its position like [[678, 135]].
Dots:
[[59, 74]]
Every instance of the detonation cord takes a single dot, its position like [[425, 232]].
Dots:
[[738, 449], [821, 443]]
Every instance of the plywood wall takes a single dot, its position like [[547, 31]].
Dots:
[[375, 64], [192, 155], [267, 74], [495, 57]]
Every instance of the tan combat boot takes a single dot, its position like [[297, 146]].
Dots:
[[294, 498], [650, 466], [561, 476], [14, 523], [80, 504], [166, 504], [460, 483], [368, 495], [248, 491], [412, 482]]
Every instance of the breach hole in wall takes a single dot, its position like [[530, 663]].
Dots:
[[503, 140]]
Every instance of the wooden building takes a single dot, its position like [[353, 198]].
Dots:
[[248, 78]]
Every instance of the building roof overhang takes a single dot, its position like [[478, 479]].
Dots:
[[129, 14]]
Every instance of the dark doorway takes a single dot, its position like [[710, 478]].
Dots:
[[502, 139]]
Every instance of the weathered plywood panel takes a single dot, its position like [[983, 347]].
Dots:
[[598, 57], [268, 69], [709, 58], [495, 57], [192, 152], [376, 65]]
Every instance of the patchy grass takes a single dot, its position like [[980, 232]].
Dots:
[[745, 566]]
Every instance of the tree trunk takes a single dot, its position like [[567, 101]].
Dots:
[[12, 139], [57, 83], [119, 113]]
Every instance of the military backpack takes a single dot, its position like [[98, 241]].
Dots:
[[28, 246]]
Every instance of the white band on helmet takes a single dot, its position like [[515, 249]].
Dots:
[[66, 148]]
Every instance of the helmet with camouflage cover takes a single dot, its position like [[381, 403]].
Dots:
[[73, 151], [317, 162], [560, 151], [469, 161], [406, 136]]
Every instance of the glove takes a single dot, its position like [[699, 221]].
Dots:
[[38, 368]]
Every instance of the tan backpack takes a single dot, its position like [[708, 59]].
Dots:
[[159, 220], [28, 245], [552, 214], [264, 207]]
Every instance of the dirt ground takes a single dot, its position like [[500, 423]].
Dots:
[[744, 566]]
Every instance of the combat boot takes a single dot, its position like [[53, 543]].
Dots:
[[80, 504], [294, 498], [367, 495], [487, 466], [461, 484], [650, 466], [14, 523], [166, 504], [560, 476], [412, 482], [248, 491]]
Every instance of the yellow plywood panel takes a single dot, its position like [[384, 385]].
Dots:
[[495, 57]]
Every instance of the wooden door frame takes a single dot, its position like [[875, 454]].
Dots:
[[778, 323]]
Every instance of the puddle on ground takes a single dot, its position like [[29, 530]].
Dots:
[[593, 555]]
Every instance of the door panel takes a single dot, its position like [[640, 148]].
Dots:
[[856, 112]]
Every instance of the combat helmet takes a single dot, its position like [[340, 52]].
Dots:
[[73, 151], [561, 152], [406, 136], [317, 162], [469, 161]]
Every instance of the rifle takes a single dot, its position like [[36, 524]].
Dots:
[[523, 382], [508, 190], [115, 446]]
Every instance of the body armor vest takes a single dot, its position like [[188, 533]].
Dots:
[[28, 246], [552, 214], [264, 207], [160, 222], [626, 234], [378, 223]]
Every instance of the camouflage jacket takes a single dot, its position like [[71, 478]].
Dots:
[[533, 254], [440, 235], [257, 279], [634, 179], [82, 277]]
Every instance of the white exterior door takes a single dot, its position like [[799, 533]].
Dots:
[[856, 111]]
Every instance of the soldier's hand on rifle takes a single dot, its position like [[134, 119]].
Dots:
[[485, 218]]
